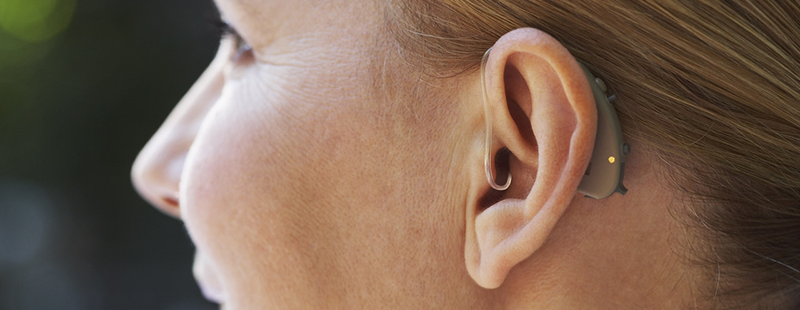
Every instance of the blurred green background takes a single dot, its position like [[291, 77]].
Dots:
[[83, 86]]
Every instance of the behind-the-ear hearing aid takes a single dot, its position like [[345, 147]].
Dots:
[[606, 168]]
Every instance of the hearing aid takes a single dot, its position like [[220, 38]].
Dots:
[[606, 168]]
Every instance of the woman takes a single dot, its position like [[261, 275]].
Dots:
[[332, 156]]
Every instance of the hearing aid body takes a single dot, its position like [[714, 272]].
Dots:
[[607, 167]]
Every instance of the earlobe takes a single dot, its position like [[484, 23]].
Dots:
[[531, 72], [497, 230]]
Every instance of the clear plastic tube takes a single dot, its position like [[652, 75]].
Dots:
[[488, 115]]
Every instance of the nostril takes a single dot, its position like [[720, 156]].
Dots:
[[169, 204], [171, 201], [156, 176]]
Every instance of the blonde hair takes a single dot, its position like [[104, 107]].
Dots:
[[711, 87]]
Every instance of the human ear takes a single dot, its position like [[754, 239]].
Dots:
[[543, 111]]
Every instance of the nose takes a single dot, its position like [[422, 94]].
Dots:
[[157, 170]]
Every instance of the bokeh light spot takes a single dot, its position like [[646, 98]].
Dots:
[[35, 20]]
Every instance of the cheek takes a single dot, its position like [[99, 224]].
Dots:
[[311, 187], [256, 191]]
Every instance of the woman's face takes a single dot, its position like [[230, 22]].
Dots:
[[303, 170]]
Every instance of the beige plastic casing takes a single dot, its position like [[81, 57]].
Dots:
[[607, 167]]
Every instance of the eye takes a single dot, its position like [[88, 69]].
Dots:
[[227, 32], [242, 48]]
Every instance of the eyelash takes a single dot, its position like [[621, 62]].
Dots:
[[226, 31]]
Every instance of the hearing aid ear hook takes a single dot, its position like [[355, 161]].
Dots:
[[606, 169], [487, 162]]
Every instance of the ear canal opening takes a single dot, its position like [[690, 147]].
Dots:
[[502, 164]]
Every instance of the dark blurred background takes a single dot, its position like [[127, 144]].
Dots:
[[83, 86]]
